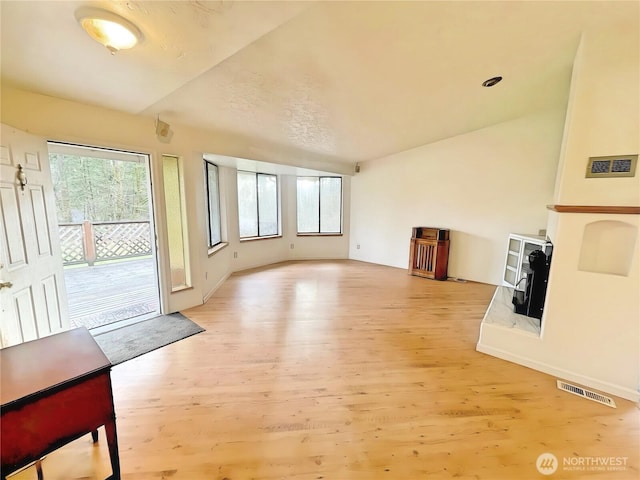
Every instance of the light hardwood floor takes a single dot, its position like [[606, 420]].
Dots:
[[344, 370]]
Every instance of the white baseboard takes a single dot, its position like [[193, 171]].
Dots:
[[258, 265], [286, 260], [307, 258], [215, 287], [617, 390]]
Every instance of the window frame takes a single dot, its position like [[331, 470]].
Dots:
[[320, 232], [278, 227], [207, 165], [180, 207]]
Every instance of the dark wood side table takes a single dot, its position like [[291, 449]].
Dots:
[[54, 390]]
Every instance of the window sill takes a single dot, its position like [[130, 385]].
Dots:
[[181, 288], [216, 248], [253, 239], [319, 235]]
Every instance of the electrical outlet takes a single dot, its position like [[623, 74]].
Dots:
[[358, 246], [291, 246], [235, 254]]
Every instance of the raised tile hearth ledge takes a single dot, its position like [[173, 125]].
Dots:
[[500, 313]]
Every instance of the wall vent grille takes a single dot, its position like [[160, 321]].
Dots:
[[583, 392]]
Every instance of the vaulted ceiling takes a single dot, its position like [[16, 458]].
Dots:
[[350, 81]]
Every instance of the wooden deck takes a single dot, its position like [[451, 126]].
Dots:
[[107, 293]]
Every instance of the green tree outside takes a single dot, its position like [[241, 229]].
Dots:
[[98, 189]]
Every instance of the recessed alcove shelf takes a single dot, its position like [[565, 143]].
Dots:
[[607, 247]]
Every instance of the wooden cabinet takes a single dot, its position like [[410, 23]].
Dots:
[[429, 252], [517, 260]]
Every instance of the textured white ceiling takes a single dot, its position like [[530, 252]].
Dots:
[[44, 49], [350, 81]]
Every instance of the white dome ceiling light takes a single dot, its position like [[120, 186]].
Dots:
[[111, 30]]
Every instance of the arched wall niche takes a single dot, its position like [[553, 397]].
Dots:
[[607, 247]]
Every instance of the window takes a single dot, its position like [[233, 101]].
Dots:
[[319, 204], [213, 203], [176, 224], [257, 204]]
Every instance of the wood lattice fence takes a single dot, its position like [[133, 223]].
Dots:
[[90, 242]]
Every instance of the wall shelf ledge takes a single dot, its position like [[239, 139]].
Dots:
[[605, 209]]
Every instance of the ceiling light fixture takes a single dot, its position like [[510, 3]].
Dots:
[[109, 29], [491, 82]]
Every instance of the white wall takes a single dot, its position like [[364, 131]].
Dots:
[[481, 185], [593, 319], [591, 323], [602, 118], [66, 121]]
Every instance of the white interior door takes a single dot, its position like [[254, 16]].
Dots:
[[32, 297]]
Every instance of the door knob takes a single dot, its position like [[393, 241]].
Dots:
[[5, 285]]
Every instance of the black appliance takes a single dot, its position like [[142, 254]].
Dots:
[[530, 302]]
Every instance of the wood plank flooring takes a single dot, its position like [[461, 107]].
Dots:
[[344, 371]]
